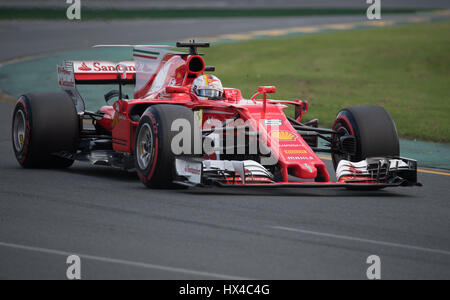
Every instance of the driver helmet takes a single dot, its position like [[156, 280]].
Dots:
[[207, 87]]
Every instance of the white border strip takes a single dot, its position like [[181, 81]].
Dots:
[[355, 239]]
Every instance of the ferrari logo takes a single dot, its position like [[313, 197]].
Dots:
[[21, 139]]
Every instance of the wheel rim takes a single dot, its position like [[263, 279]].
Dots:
[[19, 133], [342, 130], [144, 147]]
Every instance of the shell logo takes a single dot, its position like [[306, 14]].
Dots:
[[283, 135]]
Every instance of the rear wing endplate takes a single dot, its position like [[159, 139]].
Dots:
[[66, 80], [73, 73]]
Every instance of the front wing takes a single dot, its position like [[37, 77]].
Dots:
[[373, 173]]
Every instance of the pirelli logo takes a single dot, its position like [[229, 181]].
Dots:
[[295, 151]]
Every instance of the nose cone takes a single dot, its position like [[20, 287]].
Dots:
[[306, 171]]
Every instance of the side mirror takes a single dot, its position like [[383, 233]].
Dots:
[[267, 90], [177, 90]]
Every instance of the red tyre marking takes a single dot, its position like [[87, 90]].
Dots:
[[155, 160], [346, 120], [156, 147], [142, 176], [23, 155]]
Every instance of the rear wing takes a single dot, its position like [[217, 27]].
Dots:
[[148, 61], [71, 73], [104, 72]]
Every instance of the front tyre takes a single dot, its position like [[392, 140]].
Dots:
[[374, 130], [44, 125], [154, 158]]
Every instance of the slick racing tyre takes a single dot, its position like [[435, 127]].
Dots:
[[374, 130], [45, 125], [154, 158]]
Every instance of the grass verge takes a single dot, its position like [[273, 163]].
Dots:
[[406, 69], [107, 14]]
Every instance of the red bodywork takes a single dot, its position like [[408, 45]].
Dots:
[[171, 84]]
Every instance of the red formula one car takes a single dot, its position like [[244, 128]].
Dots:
[[183, 128]]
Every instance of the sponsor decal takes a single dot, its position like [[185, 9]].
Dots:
[[84, 68], [231, 94], [291, 145], [283, 135], [295, 151], [273, 122], [300, 158], [191, 170], [65, 77], [104, 66], [98, 67]]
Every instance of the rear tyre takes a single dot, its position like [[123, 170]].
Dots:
[[155, 160], [374, 130], [43, 125]]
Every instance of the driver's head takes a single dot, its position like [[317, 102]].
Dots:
[[207, 87]]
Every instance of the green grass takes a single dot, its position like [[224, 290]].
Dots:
[[107, 14], [405, 69]]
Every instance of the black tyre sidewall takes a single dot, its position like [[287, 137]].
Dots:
[[147, 175], [161, 170], [374, 130], [24, 157], [52, 126]]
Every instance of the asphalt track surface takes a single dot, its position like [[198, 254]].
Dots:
[[122, 230], [28, 38]]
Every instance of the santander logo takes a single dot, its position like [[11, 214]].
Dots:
[[84, 67], [192, 170]]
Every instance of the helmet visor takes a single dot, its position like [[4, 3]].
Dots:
[[211, 93]]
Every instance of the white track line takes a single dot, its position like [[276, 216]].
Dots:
[[123, 262], [355, 239]]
